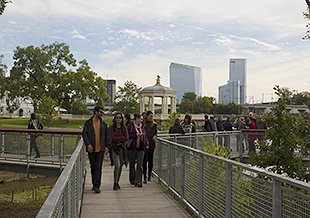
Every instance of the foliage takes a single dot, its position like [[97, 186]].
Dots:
[[51, 70], [307, 17], [230, 108], [48, 115], [126, 98], [170, 121], [192, 104], [212, 148], [3, 4], [286, 135]]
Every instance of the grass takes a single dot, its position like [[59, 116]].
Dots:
[[72, 123]]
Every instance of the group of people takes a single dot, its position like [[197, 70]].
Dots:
[[126, 141]]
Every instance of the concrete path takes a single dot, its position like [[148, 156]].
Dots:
[[129, 202]]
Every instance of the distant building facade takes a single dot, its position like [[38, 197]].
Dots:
[[235, 90], [185, 78], [111, 90]]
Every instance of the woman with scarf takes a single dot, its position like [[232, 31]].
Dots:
[[119, 137], [151, 132], [136, 148]]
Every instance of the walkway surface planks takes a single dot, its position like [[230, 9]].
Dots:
[[129, 202]]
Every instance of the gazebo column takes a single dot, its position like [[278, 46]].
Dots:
[[142, 104], [151, 102], [164, 105], [173, 105]]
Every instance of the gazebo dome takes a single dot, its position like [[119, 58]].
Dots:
[[158, 88]]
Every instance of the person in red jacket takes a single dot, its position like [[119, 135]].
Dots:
[[252, 136]]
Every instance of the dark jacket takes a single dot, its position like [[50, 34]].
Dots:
[[150, 132], [89, 134], [32, 126], [176, 129]]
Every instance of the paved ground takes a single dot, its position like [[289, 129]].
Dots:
[[129, 202]]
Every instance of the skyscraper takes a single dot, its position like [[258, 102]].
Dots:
[[185, 78], [235, 90], [111, 89]]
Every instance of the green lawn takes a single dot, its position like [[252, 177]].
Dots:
[[73, 123]]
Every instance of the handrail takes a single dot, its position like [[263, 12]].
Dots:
[[63, 131], [58, 197]]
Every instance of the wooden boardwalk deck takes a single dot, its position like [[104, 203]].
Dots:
[[129, 202]]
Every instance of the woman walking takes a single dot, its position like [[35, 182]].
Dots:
[[151, 132], [138, 145], [119, 137]]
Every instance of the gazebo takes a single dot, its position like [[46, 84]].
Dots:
[[147, 99]]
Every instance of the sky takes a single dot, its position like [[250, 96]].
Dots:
[[136, 40]]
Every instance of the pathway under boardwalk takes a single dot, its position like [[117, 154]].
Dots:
[[130, 201]]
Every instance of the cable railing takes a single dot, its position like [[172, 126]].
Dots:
[[53, 147], [65, 199], [213, 186]]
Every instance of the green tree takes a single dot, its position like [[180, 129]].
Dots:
[[48, 115], [188, 102], [307, 17], [51, 70], [285, 136], [126, 98], [230, 108], [3, 4]]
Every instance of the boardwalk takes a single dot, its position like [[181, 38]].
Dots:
[[130, 202]]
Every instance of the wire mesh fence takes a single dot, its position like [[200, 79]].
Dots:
[[219, 187]]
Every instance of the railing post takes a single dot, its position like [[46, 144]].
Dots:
[[169, 167], [61, 159], [183, 174], [228, 189], [276, 199], [201, 190], [53, 144], [2, 143], [28, 137], [196, 141], [159, 159]]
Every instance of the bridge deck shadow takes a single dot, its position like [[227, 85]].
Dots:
[[130, 201]]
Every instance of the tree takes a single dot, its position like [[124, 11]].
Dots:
[[230, 108], [51, 70], [126, 98], [285, 136], [3, 4], [188, 102], [307, 17]]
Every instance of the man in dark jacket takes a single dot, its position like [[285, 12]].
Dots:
[[95, 133]]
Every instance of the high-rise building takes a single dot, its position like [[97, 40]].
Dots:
[[235, 90], [111, 90], [185, 78]]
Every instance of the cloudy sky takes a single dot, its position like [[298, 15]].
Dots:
[[138, 39]]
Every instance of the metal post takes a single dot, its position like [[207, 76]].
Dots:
[[61, 159], [276, 199], [159, 158], [2, 143], [196, 141], [53, 144], [201, 190], [228, 189], [183, 174], [28, 152], [169, 167]]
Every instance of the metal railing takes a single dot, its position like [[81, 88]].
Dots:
[[54, 145], [217, 187], [65, 199]]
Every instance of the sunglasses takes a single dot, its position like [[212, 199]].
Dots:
[[118, 117]]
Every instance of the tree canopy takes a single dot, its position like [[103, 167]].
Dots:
[[286, 134], [3, 4], [126, 98], [51, 70], [307, 17]]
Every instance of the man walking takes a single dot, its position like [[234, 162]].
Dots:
[[95, 134]]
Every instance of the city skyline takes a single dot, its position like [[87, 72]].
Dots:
[[137, 40]]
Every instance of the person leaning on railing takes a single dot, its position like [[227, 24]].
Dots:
[[34, 124]]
